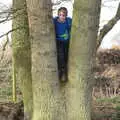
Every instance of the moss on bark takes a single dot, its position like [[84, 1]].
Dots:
[[22, 53]]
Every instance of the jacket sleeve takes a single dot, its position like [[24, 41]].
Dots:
[[69, 24], [54, 20]]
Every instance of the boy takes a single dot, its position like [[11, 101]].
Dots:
[[62, 30]]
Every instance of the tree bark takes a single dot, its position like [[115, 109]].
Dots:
[[22, 54], [81, 58], [46, 87]]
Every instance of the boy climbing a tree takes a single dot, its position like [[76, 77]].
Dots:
[[62, 30]]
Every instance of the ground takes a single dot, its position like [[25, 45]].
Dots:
[[11, 111], [106, 99], [101, 111]]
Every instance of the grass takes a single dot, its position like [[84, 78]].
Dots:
[[114, 100], [6, 91], [6, 94], [108, 108]]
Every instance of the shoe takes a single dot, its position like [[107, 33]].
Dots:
[[64, 78]]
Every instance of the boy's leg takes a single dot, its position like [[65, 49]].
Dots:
[[60, 58], [66, 56], [65, 50]]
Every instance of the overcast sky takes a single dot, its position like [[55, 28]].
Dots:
[[107, 12]]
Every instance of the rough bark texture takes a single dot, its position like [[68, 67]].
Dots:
[[81, 58], [47, 105], [22, 54]]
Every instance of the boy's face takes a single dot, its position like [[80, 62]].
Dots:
[[62, 16]]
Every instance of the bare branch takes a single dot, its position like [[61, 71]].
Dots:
[[2, 56], [5, 44], [107, 27], [58, 2], [11, 31], [6, 19], [10, 12]]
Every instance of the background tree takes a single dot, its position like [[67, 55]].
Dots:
[[22, 54]]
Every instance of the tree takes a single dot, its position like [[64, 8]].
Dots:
[[22, 54], [47, 102], [82, 58], [76, 93], [51, 99]]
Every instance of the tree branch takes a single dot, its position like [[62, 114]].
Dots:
[[6, 19], [10, 31], [1, 56], [10, 12], [58, 2], [107, 27], [6, 42]]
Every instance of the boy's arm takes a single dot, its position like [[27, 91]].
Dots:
[[69, 24], [54, 19]]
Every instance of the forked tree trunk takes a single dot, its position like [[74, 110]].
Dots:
[[75, 102]]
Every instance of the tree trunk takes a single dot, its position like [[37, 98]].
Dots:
[[81, 58], [46, 89], [22, 54]]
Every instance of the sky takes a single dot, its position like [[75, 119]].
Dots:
[[107, 12], [4, 4]]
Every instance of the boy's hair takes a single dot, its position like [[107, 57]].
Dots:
[[63, 9]]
